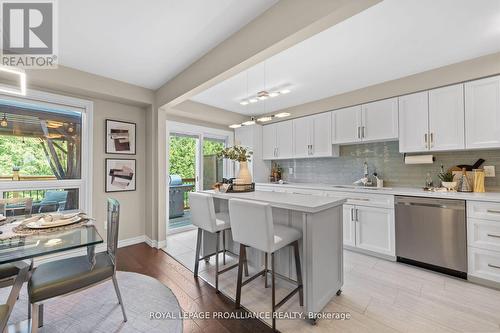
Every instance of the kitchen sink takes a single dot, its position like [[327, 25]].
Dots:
[[361, 187]]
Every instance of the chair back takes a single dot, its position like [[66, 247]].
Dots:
[[113, 221], [252, 224], [16, 204], [202, 211]]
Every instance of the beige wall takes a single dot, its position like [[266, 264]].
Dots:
[[132, 204]]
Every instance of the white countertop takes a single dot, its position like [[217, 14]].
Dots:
[[291, 201], [409, 191]]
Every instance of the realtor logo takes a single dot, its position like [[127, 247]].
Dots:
[[28, 33]]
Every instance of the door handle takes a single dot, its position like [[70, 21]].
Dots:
[[494, 266], [352, 214], [359, 136], [357, 215], [492, 235], [426, 142], [362, 132], [493, 211], [277, 152], [431, 144]]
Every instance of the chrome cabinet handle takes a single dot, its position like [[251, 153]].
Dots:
[[277, 152], [357, 215], [493, 211], [492, 235], [494, 266], [362, 132], [359, 132], [352, 214], [432, 140], [426, 142]]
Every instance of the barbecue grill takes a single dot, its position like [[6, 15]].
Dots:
[[176, 197]]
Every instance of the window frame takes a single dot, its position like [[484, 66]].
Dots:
[[84, 184]]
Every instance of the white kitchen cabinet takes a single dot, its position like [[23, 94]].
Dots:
[[446, 118], [277, 141], [482, 113], [349, 225], [346, 125], [251, 137], [302, 128], [414, 122], [375, 229], [312, 136], [379, 120]]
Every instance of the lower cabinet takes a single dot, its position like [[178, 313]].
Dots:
[[370, 228]]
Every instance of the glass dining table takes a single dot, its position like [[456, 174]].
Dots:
[[17, 250]]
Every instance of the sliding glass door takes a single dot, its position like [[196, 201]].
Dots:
[[193, 166]]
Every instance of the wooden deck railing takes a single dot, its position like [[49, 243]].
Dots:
[[21, 178], [188, 181]]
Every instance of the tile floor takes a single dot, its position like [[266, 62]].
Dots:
[[380, 295]]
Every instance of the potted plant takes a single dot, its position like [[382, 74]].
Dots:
[[241, 155], [447, 180]]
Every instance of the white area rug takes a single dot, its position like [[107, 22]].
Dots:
[[97, 310]]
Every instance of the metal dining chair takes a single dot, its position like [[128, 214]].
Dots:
[[68, 276]]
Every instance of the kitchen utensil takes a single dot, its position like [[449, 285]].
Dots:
[[479, 180], [476, 165], [463, 183]]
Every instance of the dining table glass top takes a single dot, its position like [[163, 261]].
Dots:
[[41, 244]]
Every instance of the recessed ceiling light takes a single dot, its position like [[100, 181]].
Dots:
[[262, 97], [274, 94], [235, 126], [282, 115], [253, 100], [248, 123], [285, 91], [244, 102], [264, 119]]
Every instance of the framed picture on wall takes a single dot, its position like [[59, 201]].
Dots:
[[120, 175], [120, 137]]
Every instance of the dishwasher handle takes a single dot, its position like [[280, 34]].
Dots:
[[433, 203]]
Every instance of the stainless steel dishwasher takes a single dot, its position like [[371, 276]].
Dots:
[[432, 233]]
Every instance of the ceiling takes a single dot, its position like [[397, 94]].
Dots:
[[390, 40], [147, 43]]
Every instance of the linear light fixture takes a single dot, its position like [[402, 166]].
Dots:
[[262, 119], [22, 81], [263, 95]]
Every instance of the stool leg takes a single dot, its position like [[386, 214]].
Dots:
[[265, 270], [217, 245], [273, 292], [197, 254], [240, 276], [298, 270], [223, 247], [246, 263]]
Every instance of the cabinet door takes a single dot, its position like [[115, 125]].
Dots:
[[413, 122], [284, 139], [302, 137], [321, 136], [269, 142], [346, 125], [375, 229], [446, 118], [380, 120], [482, 113], [348, 225]]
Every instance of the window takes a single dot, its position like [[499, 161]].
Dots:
[[44, 152]]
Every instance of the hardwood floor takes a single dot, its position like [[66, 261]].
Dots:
[[193, 294]]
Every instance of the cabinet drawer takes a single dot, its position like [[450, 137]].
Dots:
[[484, 264], [483, 210], [483, 234], [364, 199]]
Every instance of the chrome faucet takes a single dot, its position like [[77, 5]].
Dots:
[[365, 181]]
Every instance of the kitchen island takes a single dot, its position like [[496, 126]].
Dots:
[[321, 247]]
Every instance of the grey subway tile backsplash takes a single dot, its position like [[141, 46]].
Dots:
[[385, 159]]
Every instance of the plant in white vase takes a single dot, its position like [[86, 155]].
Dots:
[[241, 155], [447, 180]]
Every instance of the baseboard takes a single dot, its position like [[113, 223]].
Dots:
[[83, 251], [154, 243]]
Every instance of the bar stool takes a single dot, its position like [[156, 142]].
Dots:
[[252, 225], [203, 216]]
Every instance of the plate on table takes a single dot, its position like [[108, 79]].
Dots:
[[55, 220]]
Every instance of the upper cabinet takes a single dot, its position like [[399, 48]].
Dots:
[[312, 136], [277, 141], [346, 125], [432, 120], [380, 120], [446, 118], [377, 121], [482, 113]]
